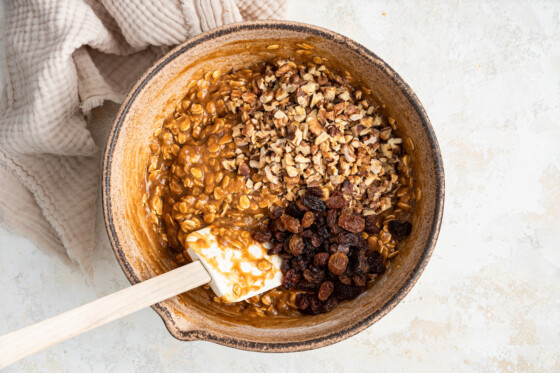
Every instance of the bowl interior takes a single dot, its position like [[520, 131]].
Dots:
[[193, 315]]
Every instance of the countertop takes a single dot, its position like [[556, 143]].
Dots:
[[488, 75]]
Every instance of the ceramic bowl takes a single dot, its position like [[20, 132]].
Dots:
[[193, 316]]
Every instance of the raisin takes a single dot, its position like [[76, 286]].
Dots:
[[302, 301], [313, 202], [278, 225], [296, 245], [352, 223], [300, 206], [299, 264], [315, 191], [276, 249], [276, 212], [360, 280], [332, 221], [323, 231], [400, 230], [336, 201], [376, 264], [307, 286], [331, 217], [286, 248], [307, 219], [308, 252], [372, 224], [280, 236], [262, 237], [308, 233], [321, 259], [292, 224], [362, 245], [345, 279], [294, 211], [291, 278], [329, 305], [285, 266], [338, 263], [347, 238], [346, 292], [347, 187], [315, 305], [313, 276], [316, 240], [325, 290], [320, 218], [285, 255]]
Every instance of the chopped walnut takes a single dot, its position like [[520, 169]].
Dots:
[[302, 125]]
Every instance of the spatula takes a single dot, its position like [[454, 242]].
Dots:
[[234, 274]]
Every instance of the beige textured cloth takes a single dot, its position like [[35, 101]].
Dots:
[[64, 58]]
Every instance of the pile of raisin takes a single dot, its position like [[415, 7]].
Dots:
[[323, 251]]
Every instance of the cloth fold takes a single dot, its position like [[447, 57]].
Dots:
[[62, 59]]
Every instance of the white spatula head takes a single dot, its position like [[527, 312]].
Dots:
[[237, 273]]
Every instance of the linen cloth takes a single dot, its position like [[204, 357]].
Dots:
[[64, 58]]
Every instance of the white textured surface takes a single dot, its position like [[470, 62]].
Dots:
[[489, 78]]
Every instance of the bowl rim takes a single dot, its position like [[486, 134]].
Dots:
[[307, 344]]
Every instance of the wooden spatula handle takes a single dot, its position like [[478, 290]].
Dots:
[[34, 338]]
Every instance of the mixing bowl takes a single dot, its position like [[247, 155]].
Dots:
[[193, 316]]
